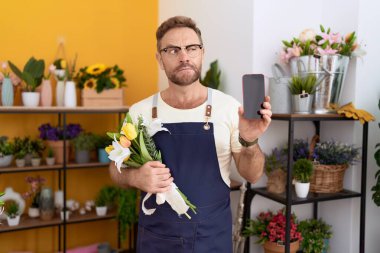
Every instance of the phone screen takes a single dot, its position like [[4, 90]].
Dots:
[[253, 95]]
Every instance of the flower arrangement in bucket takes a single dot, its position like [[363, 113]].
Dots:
[[269, 227], [133, 147], [101, 82]]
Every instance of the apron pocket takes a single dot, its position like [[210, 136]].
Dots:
[[150, 242]]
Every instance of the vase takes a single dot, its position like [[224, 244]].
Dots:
[[46, 204], [57, 147], [30, 99], [7, 94], [20, 163], [58, 199], [36, 162], [13, 221], [46, 93], [33, 212], [5, 161], [331, 70], [60, 93], [101, 210], [103, 156], [272, 247], [302, 189], [82, 156], [50, 161], [70, 96]]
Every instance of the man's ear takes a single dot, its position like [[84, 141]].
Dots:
[[159, 60]]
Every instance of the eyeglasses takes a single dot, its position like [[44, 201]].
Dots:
[[192, 50]]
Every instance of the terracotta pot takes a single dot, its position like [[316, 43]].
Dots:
[[272, 247], [46, 93], [57, 147]]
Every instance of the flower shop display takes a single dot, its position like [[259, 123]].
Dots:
[[302, 171], [302, 90], [316, 234], [326, 55], [12, 210], [35, 185], [53, 135], [135, 145], [101, 85], [32, 76], [376, 187], [331, 158], [83, 144], [269, 227], [6, 151]]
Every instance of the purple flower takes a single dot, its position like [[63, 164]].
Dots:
[[48, 132]]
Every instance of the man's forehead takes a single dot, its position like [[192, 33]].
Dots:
[[180, 36]]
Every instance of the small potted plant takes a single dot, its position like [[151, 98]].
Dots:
[[105, 199], [315, 234], [275, 169], [6, 152], [269, 227], [20, 158], [65, 213], [38, 147], [302, 171], [50, 159], [84, 143], [34, 194], [103, 141], [302, 90], [12, 211]]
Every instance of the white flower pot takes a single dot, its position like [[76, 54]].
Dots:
[[101, 210], [302, 189], [36, 162], [13, 221], [60, 93], [20, 163], [33, 212], [6, 160], [30, 99], [50, 161], [70, 97], [67, 215]]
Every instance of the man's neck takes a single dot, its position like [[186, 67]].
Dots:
[[185, 97]]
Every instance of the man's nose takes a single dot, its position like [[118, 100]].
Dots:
[[182, 55]]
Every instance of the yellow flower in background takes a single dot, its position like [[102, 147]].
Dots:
[[116, 82], [63, 64], [124, 142], [96, 69], [109, 149], [129, 131], [90, 84]]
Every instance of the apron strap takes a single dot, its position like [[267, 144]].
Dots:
[[154, 106]]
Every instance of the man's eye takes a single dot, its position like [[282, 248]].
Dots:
[[192, 48], [173, 50]]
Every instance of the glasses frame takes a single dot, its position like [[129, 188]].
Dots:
[[185, 48]]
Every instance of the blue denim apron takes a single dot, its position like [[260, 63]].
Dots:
[[189, 151]]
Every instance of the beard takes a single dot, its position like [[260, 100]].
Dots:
[[183, 79]]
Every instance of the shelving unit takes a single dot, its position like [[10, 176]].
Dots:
[[62, 112], [289, 198]]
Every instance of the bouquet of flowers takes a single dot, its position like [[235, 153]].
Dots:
[[100, 77], [35, 190], [325, 43], [133, 147]]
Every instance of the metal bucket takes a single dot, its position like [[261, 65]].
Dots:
[[332, 68], [279, 91]]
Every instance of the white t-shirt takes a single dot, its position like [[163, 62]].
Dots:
[[224, 117]]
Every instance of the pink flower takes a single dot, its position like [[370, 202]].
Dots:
[[331, 38], [327, 51]]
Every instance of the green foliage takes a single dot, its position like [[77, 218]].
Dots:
[[20, 154], [302, 170], [212, 78], [1, 202], [84, 141], [32, 73], [37, 147], [102, 141], [11, 208], [6, 147], [333, 152], [314, 232], [106, 196], [299, 85], [376, 187], [23, 146], [276, 160], [50, 153]]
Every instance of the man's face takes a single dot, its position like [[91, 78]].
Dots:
[[182, 66]]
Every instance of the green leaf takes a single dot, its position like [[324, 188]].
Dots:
[[31, 85], [144, 152], [377, 157], [322, 28], [212, 78], [15, 70], [112, 135], [286, 43], [133, 164], [129, 118]]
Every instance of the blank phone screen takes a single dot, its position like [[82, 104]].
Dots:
[[253, 95]]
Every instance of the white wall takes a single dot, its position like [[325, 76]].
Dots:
[[245, 36]]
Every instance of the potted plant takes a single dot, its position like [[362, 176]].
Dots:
[[12, 211], [331, 158], [34, 194], [70, 96], [376, 187], [302, 90], [50, 159], [54, 135], [20, 158], [105, 199], [275, 169], [38, 147], [6, 151], [302, 171], [32, 75], [83, 144], [316, 235], [212, 78], [65, 213], [269, 227], [103, 141]]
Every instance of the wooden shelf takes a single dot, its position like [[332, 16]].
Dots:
[[309, 117], [31, 223], [53, 167], [57, 109]]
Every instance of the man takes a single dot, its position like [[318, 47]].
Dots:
[[203, 136]]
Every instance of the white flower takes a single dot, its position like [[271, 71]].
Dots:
[[154, 126], [359, 52], [118, 154], [307, 34]]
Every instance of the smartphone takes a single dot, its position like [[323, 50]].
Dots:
[[253, 95]]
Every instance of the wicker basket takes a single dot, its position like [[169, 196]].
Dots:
[[327, 178]]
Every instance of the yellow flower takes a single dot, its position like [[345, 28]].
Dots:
[[63, 64], [124, 142], [96, 69], [129, 131], [116, 82], [109, 149], [90, 84]]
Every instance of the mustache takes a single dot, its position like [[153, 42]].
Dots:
[[186, 65]]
